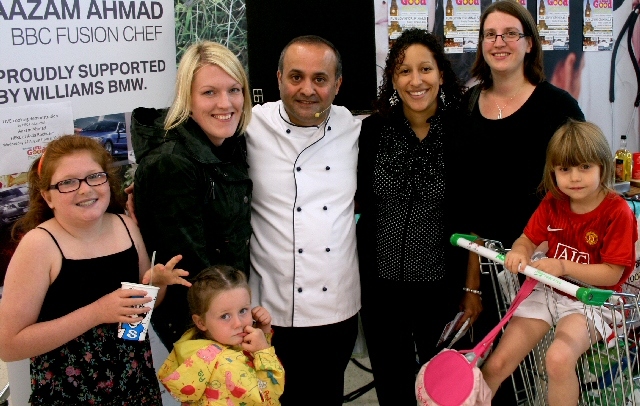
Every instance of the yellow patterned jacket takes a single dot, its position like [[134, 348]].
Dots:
[[206, 373]]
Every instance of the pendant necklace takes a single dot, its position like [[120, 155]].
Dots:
[[505, 105]]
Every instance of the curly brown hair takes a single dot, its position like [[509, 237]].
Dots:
[[450, 84]]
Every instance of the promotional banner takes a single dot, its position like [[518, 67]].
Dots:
[[31, 128], [553, 24], [102, 56], [75, 66], [462, 25], [404, 14], [597, 25]]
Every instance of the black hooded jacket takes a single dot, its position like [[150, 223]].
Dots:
[[191, 198]]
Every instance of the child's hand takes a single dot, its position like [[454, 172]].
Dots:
[[515, 261], [254, 340], [164, 275], [551, 266], [262, 318], [119, 306]]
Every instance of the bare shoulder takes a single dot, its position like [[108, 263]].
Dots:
[[34, 259], [131, 225], [133, 228], [134, 231], [39, 240]]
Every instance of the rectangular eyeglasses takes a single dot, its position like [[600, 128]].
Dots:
[[71, 185], [511, 36]]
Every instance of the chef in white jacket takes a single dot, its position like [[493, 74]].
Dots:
[[302, 154]]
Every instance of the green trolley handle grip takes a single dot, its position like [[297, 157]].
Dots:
[[590, 296]]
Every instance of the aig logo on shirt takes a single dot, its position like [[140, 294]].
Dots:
[[572, 254]]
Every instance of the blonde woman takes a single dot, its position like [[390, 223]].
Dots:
[[192, 192]]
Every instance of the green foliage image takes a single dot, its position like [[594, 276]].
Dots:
[[222, 21]]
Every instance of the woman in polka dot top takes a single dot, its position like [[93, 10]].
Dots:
[[405, 159]]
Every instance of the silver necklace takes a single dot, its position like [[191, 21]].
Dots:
[[505, 105]]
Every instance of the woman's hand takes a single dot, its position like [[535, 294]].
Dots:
[[130, 205], [262, 318], [121, 306], [471, 305], [254, 340], [164, 275]]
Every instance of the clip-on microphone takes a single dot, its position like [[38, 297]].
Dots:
[[321, 112]]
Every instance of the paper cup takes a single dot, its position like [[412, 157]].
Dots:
[[138, 331]]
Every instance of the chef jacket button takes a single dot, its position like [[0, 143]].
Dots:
[[298, 169], [324, 208], [299, 290], [327, 249], [324, 289], [300, 250], [299, 209], [288, 131], [328, 167], [329, 128], [246, 199]]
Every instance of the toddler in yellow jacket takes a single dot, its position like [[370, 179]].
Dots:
[[227, 358]]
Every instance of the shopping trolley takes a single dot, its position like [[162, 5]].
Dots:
[[609, 372]]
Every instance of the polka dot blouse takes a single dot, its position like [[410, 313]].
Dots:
[[408, 184]]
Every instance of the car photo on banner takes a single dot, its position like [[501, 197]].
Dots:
[[14, 203], [110, 131]]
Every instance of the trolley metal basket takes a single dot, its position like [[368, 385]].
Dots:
[[608, 373]]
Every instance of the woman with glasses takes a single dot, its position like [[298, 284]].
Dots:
[[62, 298], [512, 114]]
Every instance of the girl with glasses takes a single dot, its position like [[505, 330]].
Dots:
[[62, 301]]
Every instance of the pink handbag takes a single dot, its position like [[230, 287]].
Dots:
[[451, 378]]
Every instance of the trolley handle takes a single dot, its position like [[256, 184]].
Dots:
[[590, 296]]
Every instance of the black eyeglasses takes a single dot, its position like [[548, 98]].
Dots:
[[71, 185], [511, 36]]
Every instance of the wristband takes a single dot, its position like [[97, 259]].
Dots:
[[477, 292]]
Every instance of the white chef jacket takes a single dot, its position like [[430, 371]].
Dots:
[[304, 263]]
